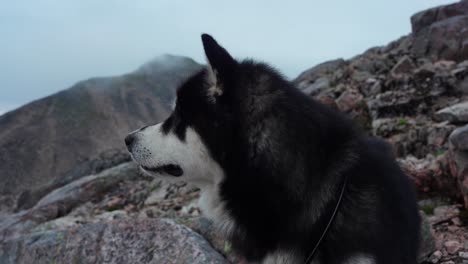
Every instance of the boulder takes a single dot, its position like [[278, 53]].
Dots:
[[445, 39], [320, 76], [428, 17], [430, 175], [427, 239], [119, 241], [404, 66], [455, 114], [458, 159], [61, 201]]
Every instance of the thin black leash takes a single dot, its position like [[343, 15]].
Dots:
[[314, 251]]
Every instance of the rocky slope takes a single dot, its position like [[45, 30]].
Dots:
[[414, 93], [79, 131]]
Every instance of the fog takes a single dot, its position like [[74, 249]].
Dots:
[[49, 45]]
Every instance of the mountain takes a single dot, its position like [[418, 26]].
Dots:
[[80, 130]]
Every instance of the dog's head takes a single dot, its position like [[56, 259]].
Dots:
[[192, 142]]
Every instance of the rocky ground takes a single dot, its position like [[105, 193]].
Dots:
[[412, 92]]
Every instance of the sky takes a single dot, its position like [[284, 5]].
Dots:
[[48, 45]]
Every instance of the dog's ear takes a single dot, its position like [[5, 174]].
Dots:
[[221, 64]]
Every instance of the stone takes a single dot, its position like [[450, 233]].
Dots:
[[442, 40], [120, 241], [427, 239], [348, 100], [435, 257], [458, 159], [61, 201], [452, 246], [455, 114], [431, 174], [317, 85], [463, 255], [428, 17], [308, 77], [459, 139], [404, 66]]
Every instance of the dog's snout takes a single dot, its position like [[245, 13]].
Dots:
[[129, 140]]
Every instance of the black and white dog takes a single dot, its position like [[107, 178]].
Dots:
[[276, 168]]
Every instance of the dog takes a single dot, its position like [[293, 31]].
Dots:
[[284, 178]]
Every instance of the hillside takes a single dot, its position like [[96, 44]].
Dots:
[[80, 130]]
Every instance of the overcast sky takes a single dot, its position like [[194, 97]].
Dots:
[[48, 45]]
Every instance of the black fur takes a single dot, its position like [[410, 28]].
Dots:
[[285, 157]]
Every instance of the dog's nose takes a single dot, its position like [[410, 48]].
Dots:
[[129, 139]]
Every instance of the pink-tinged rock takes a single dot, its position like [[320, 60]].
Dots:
[[428, 17], [458, 159], [452, 246], [404, 66], [431, 174], [349, 99], [120, 241], [443, 40]]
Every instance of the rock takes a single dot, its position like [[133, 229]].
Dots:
[[463, 255], [431, 174], [427, 239], [114, 215], [309, 79], [455, 114], [371, 62], [435, 257], [452, 246], [128, 241], [327, 100], [317, 85], [397, 103], [348, 100], [104, 160], [428, 17], [459, 139], [360, 76], [438, 135], [372, 87], [61, 201], [404, 67], [206, 228], [89, 187], [445, 39], [458, 159]]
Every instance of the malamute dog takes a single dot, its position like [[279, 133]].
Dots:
[[285, 178]]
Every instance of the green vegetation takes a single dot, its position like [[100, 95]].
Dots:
[[402, 122], [154, 187], [114, 208], [439, 152], [227, 247], [464, 215], [428, 209]]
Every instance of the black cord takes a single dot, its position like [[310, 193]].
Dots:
[[314, 251]]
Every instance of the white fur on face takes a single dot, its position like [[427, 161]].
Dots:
[[154, 149]]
